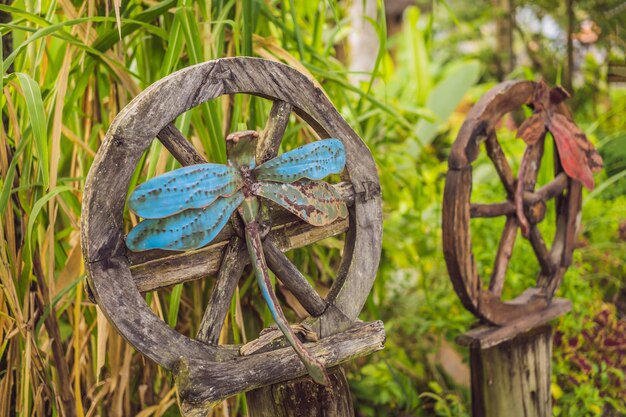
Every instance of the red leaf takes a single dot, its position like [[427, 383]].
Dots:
[[577, 154], [532, 129]]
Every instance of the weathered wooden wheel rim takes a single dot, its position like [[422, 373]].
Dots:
[[129, 136], [485, 303]]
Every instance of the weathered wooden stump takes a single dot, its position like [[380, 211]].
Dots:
[[510, 352], [206, 372]]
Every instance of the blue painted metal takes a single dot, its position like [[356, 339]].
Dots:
[[315, 202], [186, 208], [190, 187], [313, 161], [189, 229]]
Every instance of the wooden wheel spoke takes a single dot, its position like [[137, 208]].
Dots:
[[179, 147], [534, 155], [573, 209], [494, 150], [507, 241], [541, 251], [505, 208], [551, 190], [272, 135], [231, 268], [293, 279]]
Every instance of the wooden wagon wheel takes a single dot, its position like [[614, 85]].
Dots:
[[210, 372], [458, 210]]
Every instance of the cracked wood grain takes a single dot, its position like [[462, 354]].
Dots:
[[232, 266]]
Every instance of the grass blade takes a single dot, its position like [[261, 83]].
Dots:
[[34, 104], [172, 311], [32, 218]]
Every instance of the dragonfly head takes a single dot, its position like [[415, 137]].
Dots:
[[241, 148]]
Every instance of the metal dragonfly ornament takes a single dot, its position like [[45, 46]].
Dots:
[[186, 208], [577, 155]]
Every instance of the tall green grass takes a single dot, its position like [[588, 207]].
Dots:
[[76, 65]]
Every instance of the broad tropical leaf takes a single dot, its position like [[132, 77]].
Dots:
[[315, 202], [313, 161], [189, 229], [190, 187]]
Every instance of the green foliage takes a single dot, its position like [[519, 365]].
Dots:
[[590, 366]]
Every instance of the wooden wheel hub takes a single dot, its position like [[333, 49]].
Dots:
[[458, 210], [206, 372]]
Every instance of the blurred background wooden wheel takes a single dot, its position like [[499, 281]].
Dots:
[[458, 210]]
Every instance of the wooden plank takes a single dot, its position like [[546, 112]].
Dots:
[[232, 266], [489, 336], [202, 384], [499, 312], [192, 265]]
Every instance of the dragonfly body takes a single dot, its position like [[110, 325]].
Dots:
[[186, 208]]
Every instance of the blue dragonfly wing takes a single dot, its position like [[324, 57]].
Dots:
[[313, 161], [189, 229], [315, 202], [191, 187]]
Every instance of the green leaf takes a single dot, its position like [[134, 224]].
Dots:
[[32, 218], [445, 97], [192, 35], [111, 37], [418, 54], [172, 313], [7, 183], [34, 105], [174, 45]]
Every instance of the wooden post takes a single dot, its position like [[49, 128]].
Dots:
[[303, 398], [511, 365], [519, 366]]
